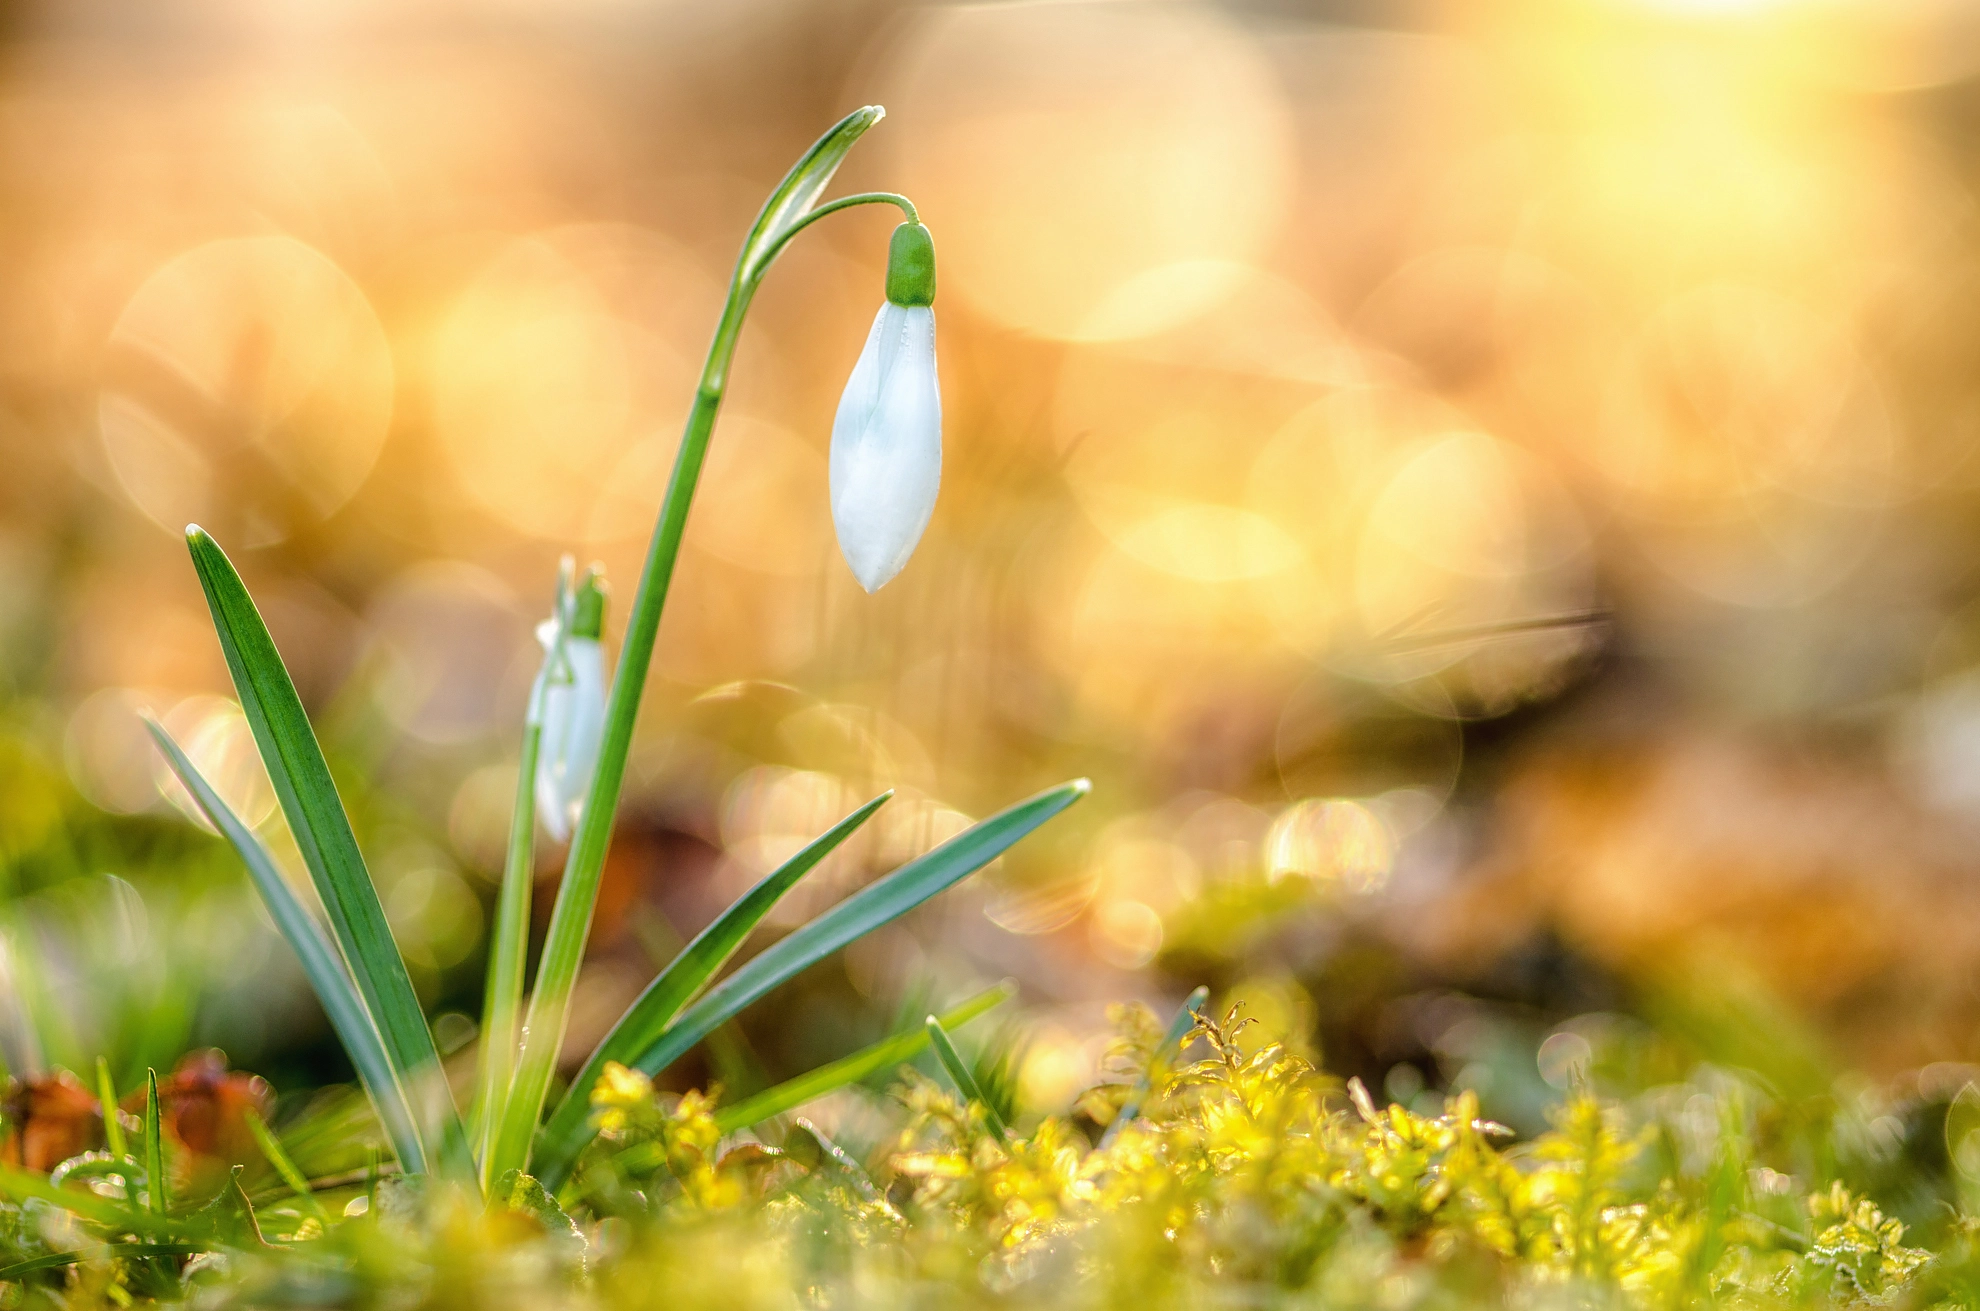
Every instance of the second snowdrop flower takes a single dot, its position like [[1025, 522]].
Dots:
[[570, 705], [887, 439]]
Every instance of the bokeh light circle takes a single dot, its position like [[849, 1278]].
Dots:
[[248, 387], [558, 376], [1062, 151]]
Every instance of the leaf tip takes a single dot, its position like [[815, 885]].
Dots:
[[1079, 787]]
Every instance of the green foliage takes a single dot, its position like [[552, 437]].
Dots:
[[858, 915], [645, 1021], [329, 848], [868, 1061], [327, 974], [1248, 1178]]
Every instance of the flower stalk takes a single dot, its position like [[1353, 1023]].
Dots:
[[791, 207], [559, 712]]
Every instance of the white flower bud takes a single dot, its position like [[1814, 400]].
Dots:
[[887, 445], [571, 712]]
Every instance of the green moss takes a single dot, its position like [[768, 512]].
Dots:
[[1249, 1179]]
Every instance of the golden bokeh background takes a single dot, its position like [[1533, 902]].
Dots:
[[1301, 361]]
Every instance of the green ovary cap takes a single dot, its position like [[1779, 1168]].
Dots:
[[588, 619], [911, 266]]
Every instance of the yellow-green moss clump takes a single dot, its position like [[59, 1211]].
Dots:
[[1247, 1179]]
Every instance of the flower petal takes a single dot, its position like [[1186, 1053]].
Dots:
[[886, 463], [573, 727]]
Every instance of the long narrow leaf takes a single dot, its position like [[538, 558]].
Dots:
[[321, 964], [19, 1185], [858, 915], [104, 1252], [648, 1017], [961, 1076], [271, 1147], [323, 834], [106, 1098], [800, 190], [508, 952], [644, 1021], [862, 1064], [154, 1146]]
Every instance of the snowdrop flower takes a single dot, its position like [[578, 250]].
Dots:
[[571, 705], [887, 439]]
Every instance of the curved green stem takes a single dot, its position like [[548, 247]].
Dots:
[[789, 209], [832, 207]]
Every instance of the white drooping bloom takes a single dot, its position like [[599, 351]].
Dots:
[[573, 719], [887, 445]]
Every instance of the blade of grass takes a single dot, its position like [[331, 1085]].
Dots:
[[113, 1124], [959, 1074], [1179, 1028], [321, 965], [508, 956], [107, 1251], [862, 1064], [271, 1147], [644, 1021], [22, 1184], [323, 834], [154, 1146], [732, 1060], [106, 1096], [584, 865], [858, 915]]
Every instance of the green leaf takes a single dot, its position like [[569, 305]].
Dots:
[[228, 1220], [519, 1192], [959, 1074], [22, 1184], [106, 1098], [154, 1145], [862, 1064], [271, 1147], [1179, 1028], [508, 953], [648, 1017], [105, 1252], [858, 915], [323, 834], [800, 190], [690, 971], [321, 964]]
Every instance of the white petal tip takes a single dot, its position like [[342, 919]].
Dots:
[[874, 569], [872, 583]]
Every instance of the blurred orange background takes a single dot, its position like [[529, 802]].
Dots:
[[1298, 359]]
